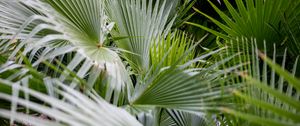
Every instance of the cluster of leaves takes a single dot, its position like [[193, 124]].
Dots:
[[135, 62]]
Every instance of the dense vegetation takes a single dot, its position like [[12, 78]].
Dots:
[[150, 62]]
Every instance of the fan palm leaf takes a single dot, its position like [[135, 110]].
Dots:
[[82, 25], [141, 23]]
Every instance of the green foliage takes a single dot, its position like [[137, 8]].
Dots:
[[135, 62], [271, 94], [262, 20], [173, 48]]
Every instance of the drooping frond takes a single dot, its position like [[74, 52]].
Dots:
[[74, 109]]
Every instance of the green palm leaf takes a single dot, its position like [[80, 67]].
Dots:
[[181, 88], [253, 19], [271, 99]]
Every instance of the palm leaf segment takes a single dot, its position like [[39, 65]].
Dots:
[[144, 22]]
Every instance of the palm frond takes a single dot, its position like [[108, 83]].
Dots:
[[171, 49], [183, 88], [257, 19], [82, 27], [74, 109], [179, 118], [271, 93], [141, 22]]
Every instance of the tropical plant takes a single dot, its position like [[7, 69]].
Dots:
[[135, 62], [123, 51]]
